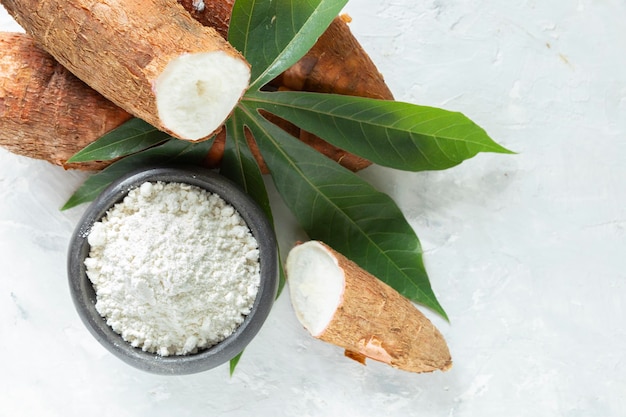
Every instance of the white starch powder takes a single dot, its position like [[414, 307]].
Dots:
[[175, 268]]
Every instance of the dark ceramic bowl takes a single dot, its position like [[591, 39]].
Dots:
[[84, 296]]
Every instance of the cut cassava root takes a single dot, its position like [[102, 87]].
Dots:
[[340, 303], [150, 58]]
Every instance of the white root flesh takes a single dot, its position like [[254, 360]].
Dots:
[[195, 93], [316, 285]]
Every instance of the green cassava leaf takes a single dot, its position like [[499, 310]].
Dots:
[[171, 152], [233, 363], [239, 166], [394, 134], [133, 136], [273, 35], [334, 205]]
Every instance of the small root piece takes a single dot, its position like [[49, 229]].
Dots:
[[340, 303]]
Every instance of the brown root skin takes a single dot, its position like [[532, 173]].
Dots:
[[355, 356], [212, 13], [348, 160], [336, 64], [46, 112], [373, 320], [114, 47]]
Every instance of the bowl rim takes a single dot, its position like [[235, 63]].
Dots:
[[84, 297]]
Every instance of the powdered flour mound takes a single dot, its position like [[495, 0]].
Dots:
[[175, 268]]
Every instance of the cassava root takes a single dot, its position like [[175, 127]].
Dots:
[[342, 304], [150, 58], [336, 49], [45, 111]]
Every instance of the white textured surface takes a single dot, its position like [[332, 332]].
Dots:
[[525, 252]]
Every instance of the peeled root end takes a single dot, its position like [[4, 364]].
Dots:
[[316, 290], [197, 92]]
